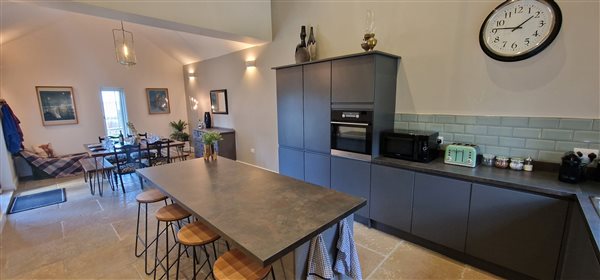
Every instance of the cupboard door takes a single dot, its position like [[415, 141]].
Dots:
[[353, 79], [392, 196], [580, 261], [352, 177], [291, 163], [441, 210], [317, 169], [290, 107], [317, 107], [518, 230]]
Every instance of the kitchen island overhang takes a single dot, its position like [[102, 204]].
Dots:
[[264, 214]]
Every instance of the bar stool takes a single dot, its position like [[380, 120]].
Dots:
[[235, 265], [194, 235], [147, 197], [168, 214]]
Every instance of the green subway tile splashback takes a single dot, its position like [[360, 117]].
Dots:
[[543, 139]]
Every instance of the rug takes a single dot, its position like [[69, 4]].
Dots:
[[36, 200]]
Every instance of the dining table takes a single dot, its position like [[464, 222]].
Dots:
[[266, 215], [98, 149]]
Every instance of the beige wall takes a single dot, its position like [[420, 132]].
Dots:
[[442, 70], [78, 51]]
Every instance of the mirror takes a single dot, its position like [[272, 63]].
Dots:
[[218, 101]]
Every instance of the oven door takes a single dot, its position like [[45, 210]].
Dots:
[[353, 137]]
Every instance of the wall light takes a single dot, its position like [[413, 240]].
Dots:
[[250, 63], [192, 75]]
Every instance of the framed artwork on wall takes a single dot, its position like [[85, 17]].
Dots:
[[218, 101], [57, 105], [158, 101]]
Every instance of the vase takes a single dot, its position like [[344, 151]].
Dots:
[[302, 54], [207, 151], [207, 120], [312, 45], [213, 152]]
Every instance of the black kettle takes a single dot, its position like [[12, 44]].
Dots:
[[571, 169]]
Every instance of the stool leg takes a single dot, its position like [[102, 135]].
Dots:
[[147, 245], [167, 248], [178, 261], [156, 251], [208, 260], [137, 232]]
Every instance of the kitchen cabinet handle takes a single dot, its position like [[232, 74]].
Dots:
[[351, 123]]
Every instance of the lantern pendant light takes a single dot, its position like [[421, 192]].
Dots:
[[124, 46]]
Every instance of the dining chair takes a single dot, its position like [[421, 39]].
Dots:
[[130, 162], [162, 154]]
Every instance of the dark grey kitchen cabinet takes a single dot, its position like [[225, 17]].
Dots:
[[579, 261], [353, 79], [441, 210], [392, 196], [352, 177], [317, 107], [317, 169], [517, 230], [290, 109], [291, 162]]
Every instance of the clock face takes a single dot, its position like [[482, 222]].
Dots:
[[519, 29]]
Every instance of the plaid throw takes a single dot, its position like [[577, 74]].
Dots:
[[56, 167]]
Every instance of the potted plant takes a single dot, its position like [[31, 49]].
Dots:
[[209, 139], [179, 134]]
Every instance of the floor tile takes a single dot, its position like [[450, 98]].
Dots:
[[375, 240], [369, 260]]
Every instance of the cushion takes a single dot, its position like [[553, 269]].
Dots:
[[47, 148]]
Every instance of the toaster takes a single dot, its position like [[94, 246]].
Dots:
[[462, 154]]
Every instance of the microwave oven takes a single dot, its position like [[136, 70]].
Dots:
[[413, 145]]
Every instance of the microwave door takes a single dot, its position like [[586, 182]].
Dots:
[[401, 146]]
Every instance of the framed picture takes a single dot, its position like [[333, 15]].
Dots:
[[158, 101], [57, 105]]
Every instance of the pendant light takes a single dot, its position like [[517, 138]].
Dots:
[[124, 46]]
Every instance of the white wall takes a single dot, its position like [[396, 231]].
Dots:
[[78, 51], [442, 70], [8, 176]]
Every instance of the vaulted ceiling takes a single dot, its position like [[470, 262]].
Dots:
[[19, 19]]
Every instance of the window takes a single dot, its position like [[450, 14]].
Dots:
[[115, 111]]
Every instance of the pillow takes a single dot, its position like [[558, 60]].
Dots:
[[47, 149], [38, 151]]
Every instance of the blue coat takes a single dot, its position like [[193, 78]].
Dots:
[[13, 135]]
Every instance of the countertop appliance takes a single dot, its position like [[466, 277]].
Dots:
[[572, 170], [462, 154], [413, 145], [352, 133]]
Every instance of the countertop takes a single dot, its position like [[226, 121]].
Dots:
[[541, 182], [265, 214], [339, 57], [221, 130]]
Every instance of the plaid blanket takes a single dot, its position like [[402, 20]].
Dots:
[[56, 167]]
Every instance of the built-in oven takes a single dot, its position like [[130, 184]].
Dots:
[[352, 133]]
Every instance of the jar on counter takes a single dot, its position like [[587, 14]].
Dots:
[[516, 163], [528, 164], [501, 162], [488, 159]]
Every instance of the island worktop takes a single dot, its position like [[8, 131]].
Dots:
[[265, 214]]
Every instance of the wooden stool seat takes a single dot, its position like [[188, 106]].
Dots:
[[171, 213], [196, 234], [150, 196], [235, 265]]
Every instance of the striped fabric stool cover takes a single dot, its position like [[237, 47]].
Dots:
[[235, 265]]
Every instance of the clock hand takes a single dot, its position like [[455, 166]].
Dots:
[[498, 28], [519, 26]]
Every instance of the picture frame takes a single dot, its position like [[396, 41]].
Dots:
[[57, 105], [218, 101], [158, 101]]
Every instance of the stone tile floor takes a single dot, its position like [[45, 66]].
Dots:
[[93, 237]]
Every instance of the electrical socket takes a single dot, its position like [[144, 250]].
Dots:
[[440, 140], [585, 152]]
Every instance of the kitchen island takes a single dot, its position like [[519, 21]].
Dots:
[[266, 215]]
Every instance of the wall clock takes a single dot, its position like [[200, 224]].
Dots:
[[520, 29]]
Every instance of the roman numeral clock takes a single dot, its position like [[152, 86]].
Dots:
[[520, 29]]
